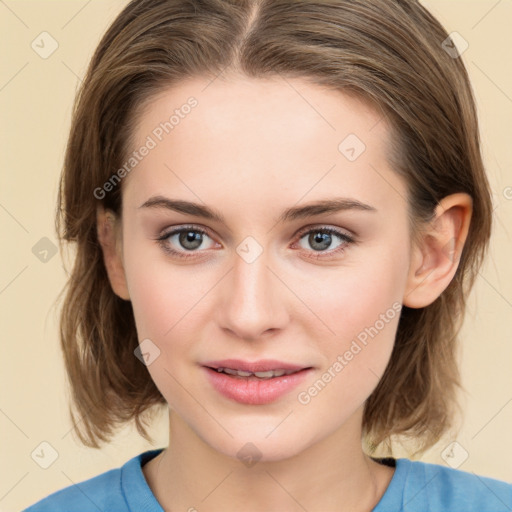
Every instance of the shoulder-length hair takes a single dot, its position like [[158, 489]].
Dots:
[[391, 53]]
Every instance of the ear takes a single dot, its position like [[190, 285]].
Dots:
[[435, 256], [109, 236]]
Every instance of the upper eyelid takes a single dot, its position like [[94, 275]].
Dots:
[[177, 229], [320, 227]]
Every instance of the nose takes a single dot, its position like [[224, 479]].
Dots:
[[254, 300]]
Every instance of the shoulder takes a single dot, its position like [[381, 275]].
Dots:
[[117, 490], [102, 492], [433, 487]]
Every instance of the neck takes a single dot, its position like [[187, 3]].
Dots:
[[331, 474]]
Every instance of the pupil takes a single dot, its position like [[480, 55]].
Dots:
[[319, 238], [190, 237]]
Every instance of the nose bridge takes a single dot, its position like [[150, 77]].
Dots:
[[252, 302]]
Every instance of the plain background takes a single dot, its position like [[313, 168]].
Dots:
[[36, 97]]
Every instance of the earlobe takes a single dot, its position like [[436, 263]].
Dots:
[[107, 231], [435, 257]]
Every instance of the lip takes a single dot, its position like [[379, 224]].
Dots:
[[263, 365], [253, 390]]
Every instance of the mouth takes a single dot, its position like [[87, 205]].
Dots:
[[255, 383], [270, 374]]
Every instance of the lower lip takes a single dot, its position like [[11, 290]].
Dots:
[[255, 392]]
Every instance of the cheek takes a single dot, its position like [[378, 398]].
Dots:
[[163, 294], [169, 309], [154, 302], [361, 306], [163, 301], [355, 358], [353, 297]]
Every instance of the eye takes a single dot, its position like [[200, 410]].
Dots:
[[187, 239], [190, 239], [320, 239]]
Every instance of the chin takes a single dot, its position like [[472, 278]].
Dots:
[[263, 443], [252, 452]]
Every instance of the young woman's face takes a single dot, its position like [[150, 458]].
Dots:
[[257, 286]]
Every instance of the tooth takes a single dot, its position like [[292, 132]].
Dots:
[[264, 375]]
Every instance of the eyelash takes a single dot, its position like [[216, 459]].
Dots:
[[325, 230]]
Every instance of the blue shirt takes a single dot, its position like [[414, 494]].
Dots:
[[415, 487]]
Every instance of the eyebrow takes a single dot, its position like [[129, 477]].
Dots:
[[294, 213]]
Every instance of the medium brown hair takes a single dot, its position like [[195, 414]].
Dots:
[[388, 52]]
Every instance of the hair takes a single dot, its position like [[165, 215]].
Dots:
[[390, 54]]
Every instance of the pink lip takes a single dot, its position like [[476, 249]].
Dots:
[[262, 365], [252, 390]]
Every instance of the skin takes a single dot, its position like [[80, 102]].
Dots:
[[251, 149]]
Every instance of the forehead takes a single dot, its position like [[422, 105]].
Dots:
[[257, 107], [245, 138]]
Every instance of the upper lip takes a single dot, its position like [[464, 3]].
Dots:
[[263, 365]]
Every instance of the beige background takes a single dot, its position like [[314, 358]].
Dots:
[[36, 98]]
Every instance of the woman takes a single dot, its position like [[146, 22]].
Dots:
[[279, 209]]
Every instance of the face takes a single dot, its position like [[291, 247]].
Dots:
[[316, 292]]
